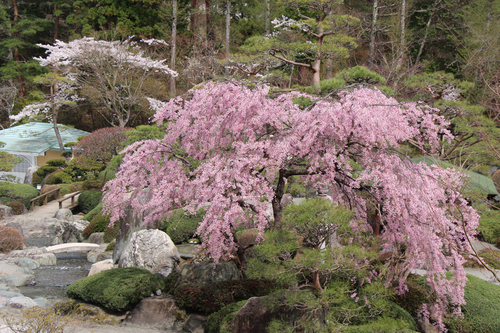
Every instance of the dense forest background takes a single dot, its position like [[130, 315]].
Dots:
[[441, 52]]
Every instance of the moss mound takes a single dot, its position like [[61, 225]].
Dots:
[[117, 289], [17, 192], [481, 313]]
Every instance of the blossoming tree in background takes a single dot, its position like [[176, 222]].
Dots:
[[235, 148], [110, 74]]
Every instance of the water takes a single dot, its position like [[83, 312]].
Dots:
[[52, 281]]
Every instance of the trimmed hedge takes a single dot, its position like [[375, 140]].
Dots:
[[90, 215], [88, 200], [17, 192], [212, 298], [118, 289], [99, 223]]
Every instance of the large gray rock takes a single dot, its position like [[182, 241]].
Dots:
[[101, 266], [21, 302], [156, 311], [204, 273], [18, 280], [28, 178], [129, 224], [66, 229], [64, 214], [194, 324], [151, 249], [41, 256], [96, 238]]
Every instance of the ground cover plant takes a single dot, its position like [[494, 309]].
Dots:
[[234, 148]]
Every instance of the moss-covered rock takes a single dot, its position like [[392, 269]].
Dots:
[[17, 192], [117, 289]]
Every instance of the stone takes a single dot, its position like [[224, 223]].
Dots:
[[96, 238], [18, 279], [29, 263], [129, 223], [103, 256], [42, 302], [151, 249], [204, 274], [5, 212], [16, 226], [286, 200], [73, 231], [156, 311], [194, 324], [41, 256], [28, 178], [101, 266], [65, 215], [21, 302]]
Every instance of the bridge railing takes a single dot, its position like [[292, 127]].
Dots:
[[45, 196]]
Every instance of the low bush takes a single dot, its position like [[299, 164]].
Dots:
[[45, 170], [10, 239], [489, 226], [212, 298], [99, 223], [222, 320], [90, 215], [88, 200], [111, 232], [118, 289], [59, 177], [111, 247], [17, 207], [17, 192], [89, 185], [181, 226], [58, 162]]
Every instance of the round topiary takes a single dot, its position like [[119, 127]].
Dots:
[[88, 200], [118, 289], [17, 207], [10, 239], [17, 192], [59, 177]]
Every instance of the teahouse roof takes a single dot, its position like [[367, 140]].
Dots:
[[36, 138]]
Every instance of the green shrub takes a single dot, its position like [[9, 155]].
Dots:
[[37, 179], [17, 192], [70, 188], [316, 220], [212, 298], [181, 226], [489, 226], [170, 282], [88, 185], [111, 168], [481, 309], [222, 320], [360, 74], [88, 200], [59, 177], [59, 162], [111, 247], [17, 207], [418, 293], [45, 170], [96, 210], [325, 86], [111, 232], [99, 223], [118, 289]]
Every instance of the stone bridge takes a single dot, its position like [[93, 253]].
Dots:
[[67, 247]]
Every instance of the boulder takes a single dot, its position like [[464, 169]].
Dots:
[[16, 226], [129, 224], [204, 273], [28, 178], [21, 302], [65, 215], [286, 199], [151, 249], [5, 212], [194, 324], [41, 256], [17, 280], [101, 266], [96, 238], [156, 311], [28, 263]]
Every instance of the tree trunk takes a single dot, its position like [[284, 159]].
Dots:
[[402, 33], [56, 24], [173, 40], [276, 203], [228, 33], [17, 56], [54, 118], [267, 17], [373, 32], [316, 67]]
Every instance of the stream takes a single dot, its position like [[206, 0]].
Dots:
[[52, 281]]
